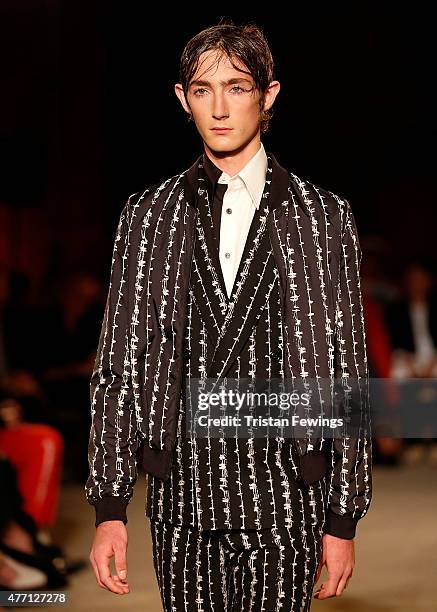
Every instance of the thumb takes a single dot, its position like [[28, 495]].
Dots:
[[121, 563]]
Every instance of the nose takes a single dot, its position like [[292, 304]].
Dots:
[[219, 110]]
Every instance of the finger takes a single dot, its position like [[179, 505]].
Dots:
[[122, 585], [96, 571], [329, 588], [343, 583], [116, 578], [121, 563], [320, 564], [105, 575]]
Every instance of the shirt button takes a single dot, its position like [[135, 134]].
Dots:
[[227, 255], [229, 210]]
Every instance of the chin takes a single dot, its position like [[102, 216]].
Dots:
[[222, 146]]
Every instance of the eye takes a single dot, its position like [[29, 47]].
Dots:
[[196, 91], [237, 87]]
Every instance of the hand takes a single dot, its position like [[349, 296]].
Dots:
[[110, 539], [339, 556]]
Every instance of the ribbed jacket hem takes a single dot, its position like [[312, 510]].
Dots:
[[340, 526], [110, 509]]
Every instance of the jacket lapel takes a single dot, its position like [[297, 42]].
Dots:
[[255, 279], [208, 285], [230, 321]]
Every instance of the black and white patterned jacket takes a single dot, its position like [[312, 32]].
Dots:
[[136, 382]]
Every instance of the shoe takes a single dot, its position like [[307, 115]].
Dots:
[[46, 550], [55, 555], [55, 578], [26, 578]]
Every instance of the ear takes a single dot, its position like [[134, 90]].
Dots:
[[271, 93], [179, 91]]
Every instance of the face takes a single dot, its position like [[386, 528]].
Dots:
[[220, 96], [417, 280]]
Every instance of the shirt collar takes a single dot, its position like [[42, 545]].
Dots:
[[253, 174]]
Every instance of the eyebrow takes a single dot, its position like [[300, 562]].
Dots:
[[228, 82]]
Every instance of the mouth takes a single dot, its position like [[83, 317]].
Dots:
[[221, 129]]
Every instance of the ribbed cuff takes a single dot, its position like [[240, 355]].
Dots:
[[340, 526], [110, 509]]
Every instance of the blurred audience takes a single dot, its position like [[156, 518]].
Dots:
[[47, 353], [36, 451], [26, 562], [71, 327], [30, 467], [20, 342], [377, 292], [412, 323]]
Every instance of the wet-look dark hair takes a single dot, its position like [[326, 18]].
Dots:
[[245, 43]]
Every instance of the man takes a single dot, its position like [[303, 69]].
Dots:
[[234, 268]]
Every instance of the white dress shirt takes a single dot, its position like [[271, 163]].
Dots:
[[240, 201]]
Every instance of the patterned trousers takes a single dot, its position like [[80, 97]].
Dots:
[[266, 570]]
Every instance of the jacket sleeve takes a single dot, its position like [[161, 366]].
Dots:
[[350, 472], [113, 438]]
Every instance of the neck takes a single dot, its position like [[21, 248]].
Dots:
[[232, 162]]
